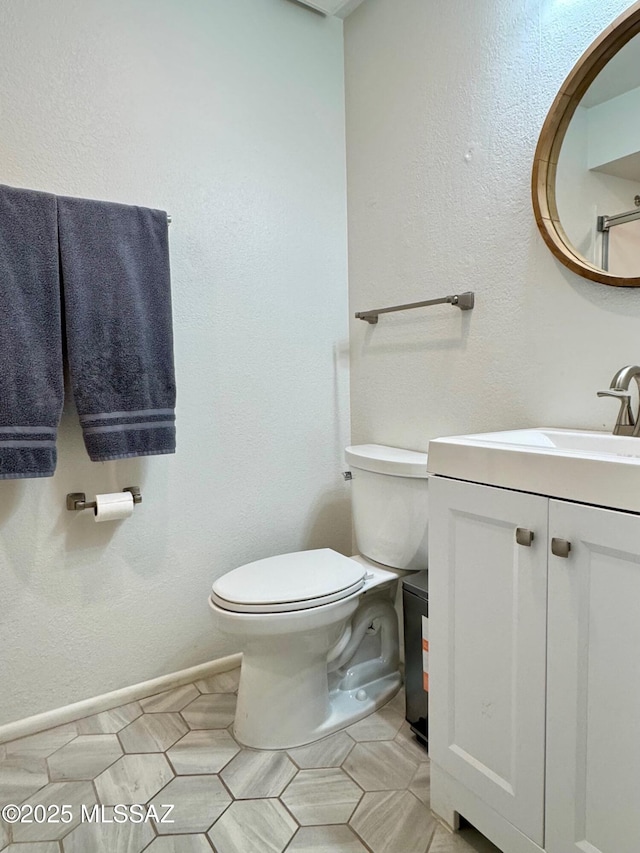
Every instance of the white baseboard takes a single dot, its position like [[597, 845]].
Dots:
[[87, 707]]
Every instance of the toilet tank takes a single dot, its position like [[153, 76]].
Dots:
[[389, 500]]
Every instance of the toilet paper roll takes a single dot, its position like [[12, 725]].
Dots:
[[114, 506]]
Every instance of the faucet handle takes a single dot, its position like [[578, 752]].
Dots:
[[626, 422], [613, 392]]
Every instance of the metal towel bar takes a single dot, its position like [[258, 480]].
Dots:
[[464, 301]]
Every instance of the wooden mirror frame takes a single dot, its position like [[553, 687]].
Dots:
[[543, 179]]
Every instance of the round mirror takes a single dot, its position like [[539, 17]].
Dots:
[[586, 173]]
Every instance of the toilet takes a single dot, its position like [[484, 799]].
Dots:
[[318, 630]]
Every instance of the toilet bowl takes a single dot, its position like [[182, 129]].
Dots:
[[318, 630]]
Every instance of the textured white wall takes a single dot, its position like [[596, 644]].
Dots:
[[445, 101], [230, 115]]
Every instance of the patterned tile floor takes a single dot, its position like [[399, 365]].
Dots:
[[362, 789]]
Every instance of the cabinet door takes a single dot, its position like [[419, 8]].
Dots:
[[487, 623], [593, 722]]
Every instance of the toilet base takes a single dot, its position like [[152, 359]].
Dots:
[[345, 708], [299, 686]]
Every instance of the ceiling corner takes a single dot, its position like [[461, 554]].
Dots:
[[335, 8], [348, 7]]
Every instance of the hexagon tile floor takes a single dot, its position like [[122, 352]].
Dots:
[[362, 789]]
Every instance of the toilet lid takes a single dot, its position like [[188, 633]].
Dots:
[[289, 582]]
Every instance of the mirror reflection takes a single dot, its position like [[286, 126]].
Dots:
[[598, 175]]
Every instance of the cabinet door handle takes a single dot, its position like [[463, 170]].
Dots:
[[524, 537], [560, 547]]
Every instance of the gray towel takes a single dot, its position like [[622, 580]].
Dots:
[[31, 378], [115, 279]]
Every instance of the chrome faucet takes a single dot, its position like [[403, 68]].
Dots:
[[626, 424]]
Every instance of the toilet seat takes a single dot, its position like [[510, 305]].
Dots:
[[289, 582]]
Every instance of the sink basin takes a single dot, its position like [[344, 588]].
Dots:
[[579, 465]]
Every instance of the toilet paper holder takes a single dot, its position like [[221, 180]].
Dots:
[[77, 501]]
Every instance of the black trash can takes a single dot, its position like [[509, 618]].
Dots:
[[415, 600]]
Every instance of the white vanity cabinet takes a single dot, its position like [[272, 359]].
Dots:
[[534, 728], [593, 682]]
